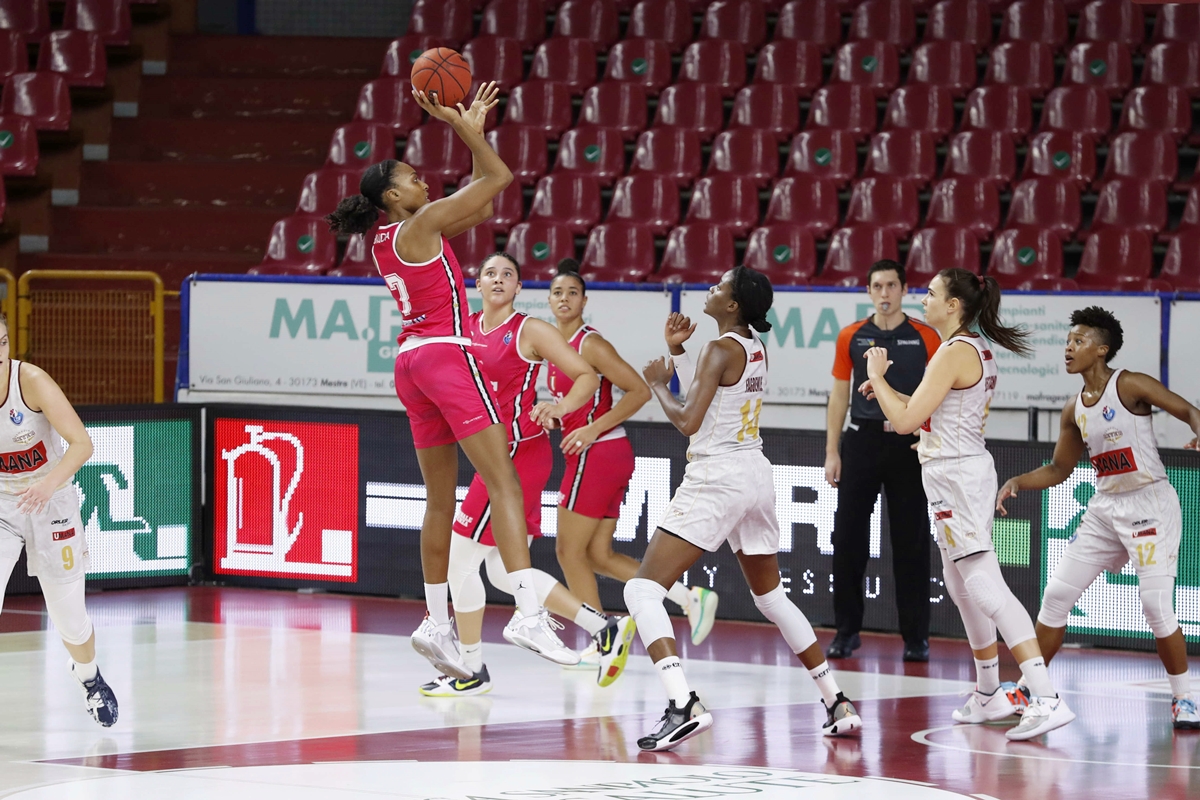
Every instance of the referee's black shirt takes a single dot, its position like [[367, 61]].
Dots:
[[910, 345]]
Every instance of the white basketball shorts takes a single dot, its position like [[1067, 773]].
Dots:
[[728, 497]]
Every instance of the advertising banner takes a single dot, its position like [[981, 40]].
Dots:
[[1183, 377]]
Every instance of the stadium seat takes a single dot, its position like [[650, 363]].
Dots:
[[785, 253], [573, 200], [716, 62], [508, 207], [673, 152], [545, 105], [357, 262], [697, 106], [742, 21], [389, 101], [598, 152], [30, 18], [402, 52], [770, 107], [725, 200], [569, 61], [851, 253], [966, 21], [1103, 64], [816, 21], [20, 157], [1162, 108], [804, 201], [1112, 21], [1132, 204], [1174, 64], [1142, 155], [989, 155], [1062, 155], [449, 21], [873, 64], [903, 153], [667, 20], [921, 107], [621, 106], [847, 107], [618, 251], [1027, 65], [697, 253], [298, 246], [1078, 109], [592, 20], [935, 249], [972, 204], [890, 21], [1007, 109], [1025, 254], [523, 150], [889, 203], [109, 19], [540, 242], [323, 189], [1045, 203], [747, 152], [436, 150], [14, 54], [646, 199], [824, 153], [1177, 22], [495, 58], [78, 56], [523, 20], [790, 63], [1181, 267], [949, 65], [1117, 260], [1191, 215], [645, 62], [43, 97], [1035, 21]]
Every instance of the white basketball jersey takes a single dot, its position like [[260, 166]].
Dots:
[[1120, 444], [731, 422], [956, 428], [29, 447]]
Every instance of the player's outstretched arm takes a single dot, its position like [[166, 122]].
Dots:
[[716, 358], [547, 344], [1142, 388], [1067, 453], [476, 116], [42, 394]]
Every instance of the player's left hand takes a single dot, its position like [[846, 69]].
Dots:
[[434, 108], [548, 415], [35, 498], [877, 362], [485, 100], [659, 370], [579, 440], [1194, 444]]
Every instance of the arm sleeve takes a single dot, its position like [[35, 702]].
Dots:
[[686, 371], [843, 370]]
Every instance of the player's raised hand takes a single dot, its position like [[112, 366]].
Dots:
[[485, 100], [434, 108], [1009, 489], [877, 362], [658, 371], [678, 329]]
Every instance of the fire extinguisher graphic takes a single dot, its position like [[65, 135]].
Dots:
[[257, 535]]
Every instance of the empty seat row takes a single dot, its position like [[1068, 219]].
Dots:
[[110, 19], [78, 56]]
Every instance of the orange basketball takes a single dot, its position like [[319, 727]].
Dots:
[[444, 73]]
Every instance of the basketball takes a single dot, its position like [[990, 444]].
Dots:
[[442, 72]]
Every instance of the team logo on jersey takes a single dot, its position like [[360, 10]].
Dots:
[[508, 338], [1109, 413], [1113, 435], [58, 536], [466, 520], [756, 357], [24, 436], [987, 355], [947, 514], [1115, 462], [16, 416], [1145, 532], [24, 461]]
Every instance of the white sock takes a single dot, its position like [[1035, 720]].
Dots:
[[674, 681], [987, 675], [1181, 685], [590, 619], [436, 597], [1037, 678], [525, 591], [86, 672], [828, 687], [678, 594], [473, 656]]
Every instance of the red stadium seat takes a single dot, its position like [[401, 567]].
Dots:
[[593, 20], [673, 152], [785, 253], [472, 247], [523, 20], [717, 62], [1117, 260], [667, 20], [14, 54], [873, 64], [523, 150], [324, 189], [889, 203], [852, 251], [1045, 203], [31, 18], [435, 150], [1174, 64], [598, 152], [697, 106], [949, 65], [1181, 267], [357, 262], [41, 96], [847, 107], [1035, 21], [540, 242], [622, 251], [935, 249], [495, 58], [1177, 22], [298, 246], [790, 63], [389, 101], [573, 200], [804, 201], [1162, 108], [621, 106], [742, 21], [746, 152], [769, 107], [109, 19], [19, 158], [816, 21], [545, 105], [449, 21], [1028, 65], [1142, 155], [1191, 215], [1131, 204], [1112, 21], [646, 199], [1103, 64], [725, 200], [1078, 109], [999, 108], [989, 155], [402, 52], [969, 203], [1062, 155], [921, 107], [570, 61], [966, 21], [824, 153], [890, 21], [508, 207], [1025, 254], [78, 56], [645, 62], [701, 248], [903, 153]]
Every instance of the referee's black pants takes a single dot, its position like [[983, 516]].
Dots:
[[870, 457]]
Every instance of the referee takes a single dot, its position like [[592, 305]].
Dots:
[[871, 455]]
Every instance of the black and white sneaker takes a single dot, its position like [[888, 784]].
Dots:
[[99, 698], [678, 725], [842, 718], [449, 686]]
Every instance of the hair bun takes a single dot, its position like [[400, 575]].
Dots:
[[568, 266]]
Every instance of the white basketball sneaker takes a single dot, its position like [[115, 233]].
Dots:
[[439, 644], [589, 659], [536, 632], [1043, 715], [701, 612], [982, 707]]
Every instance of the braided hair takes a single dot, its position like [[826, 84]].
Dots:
[[359, 213], [753, 293]]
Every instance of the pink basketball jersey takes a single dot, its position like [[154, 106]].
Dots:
[[560, 384], [431, 296], [513, 377]]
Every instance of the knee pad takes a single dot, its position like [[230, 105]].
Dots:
[[64, 603], [1057, 603], [644, 599], [466, 586], [1158, 594], [984, 593], [796, 629]]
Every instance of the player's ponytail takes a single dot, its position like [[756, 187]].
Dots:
[[753, 293], [359, 213], [980, 298]]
